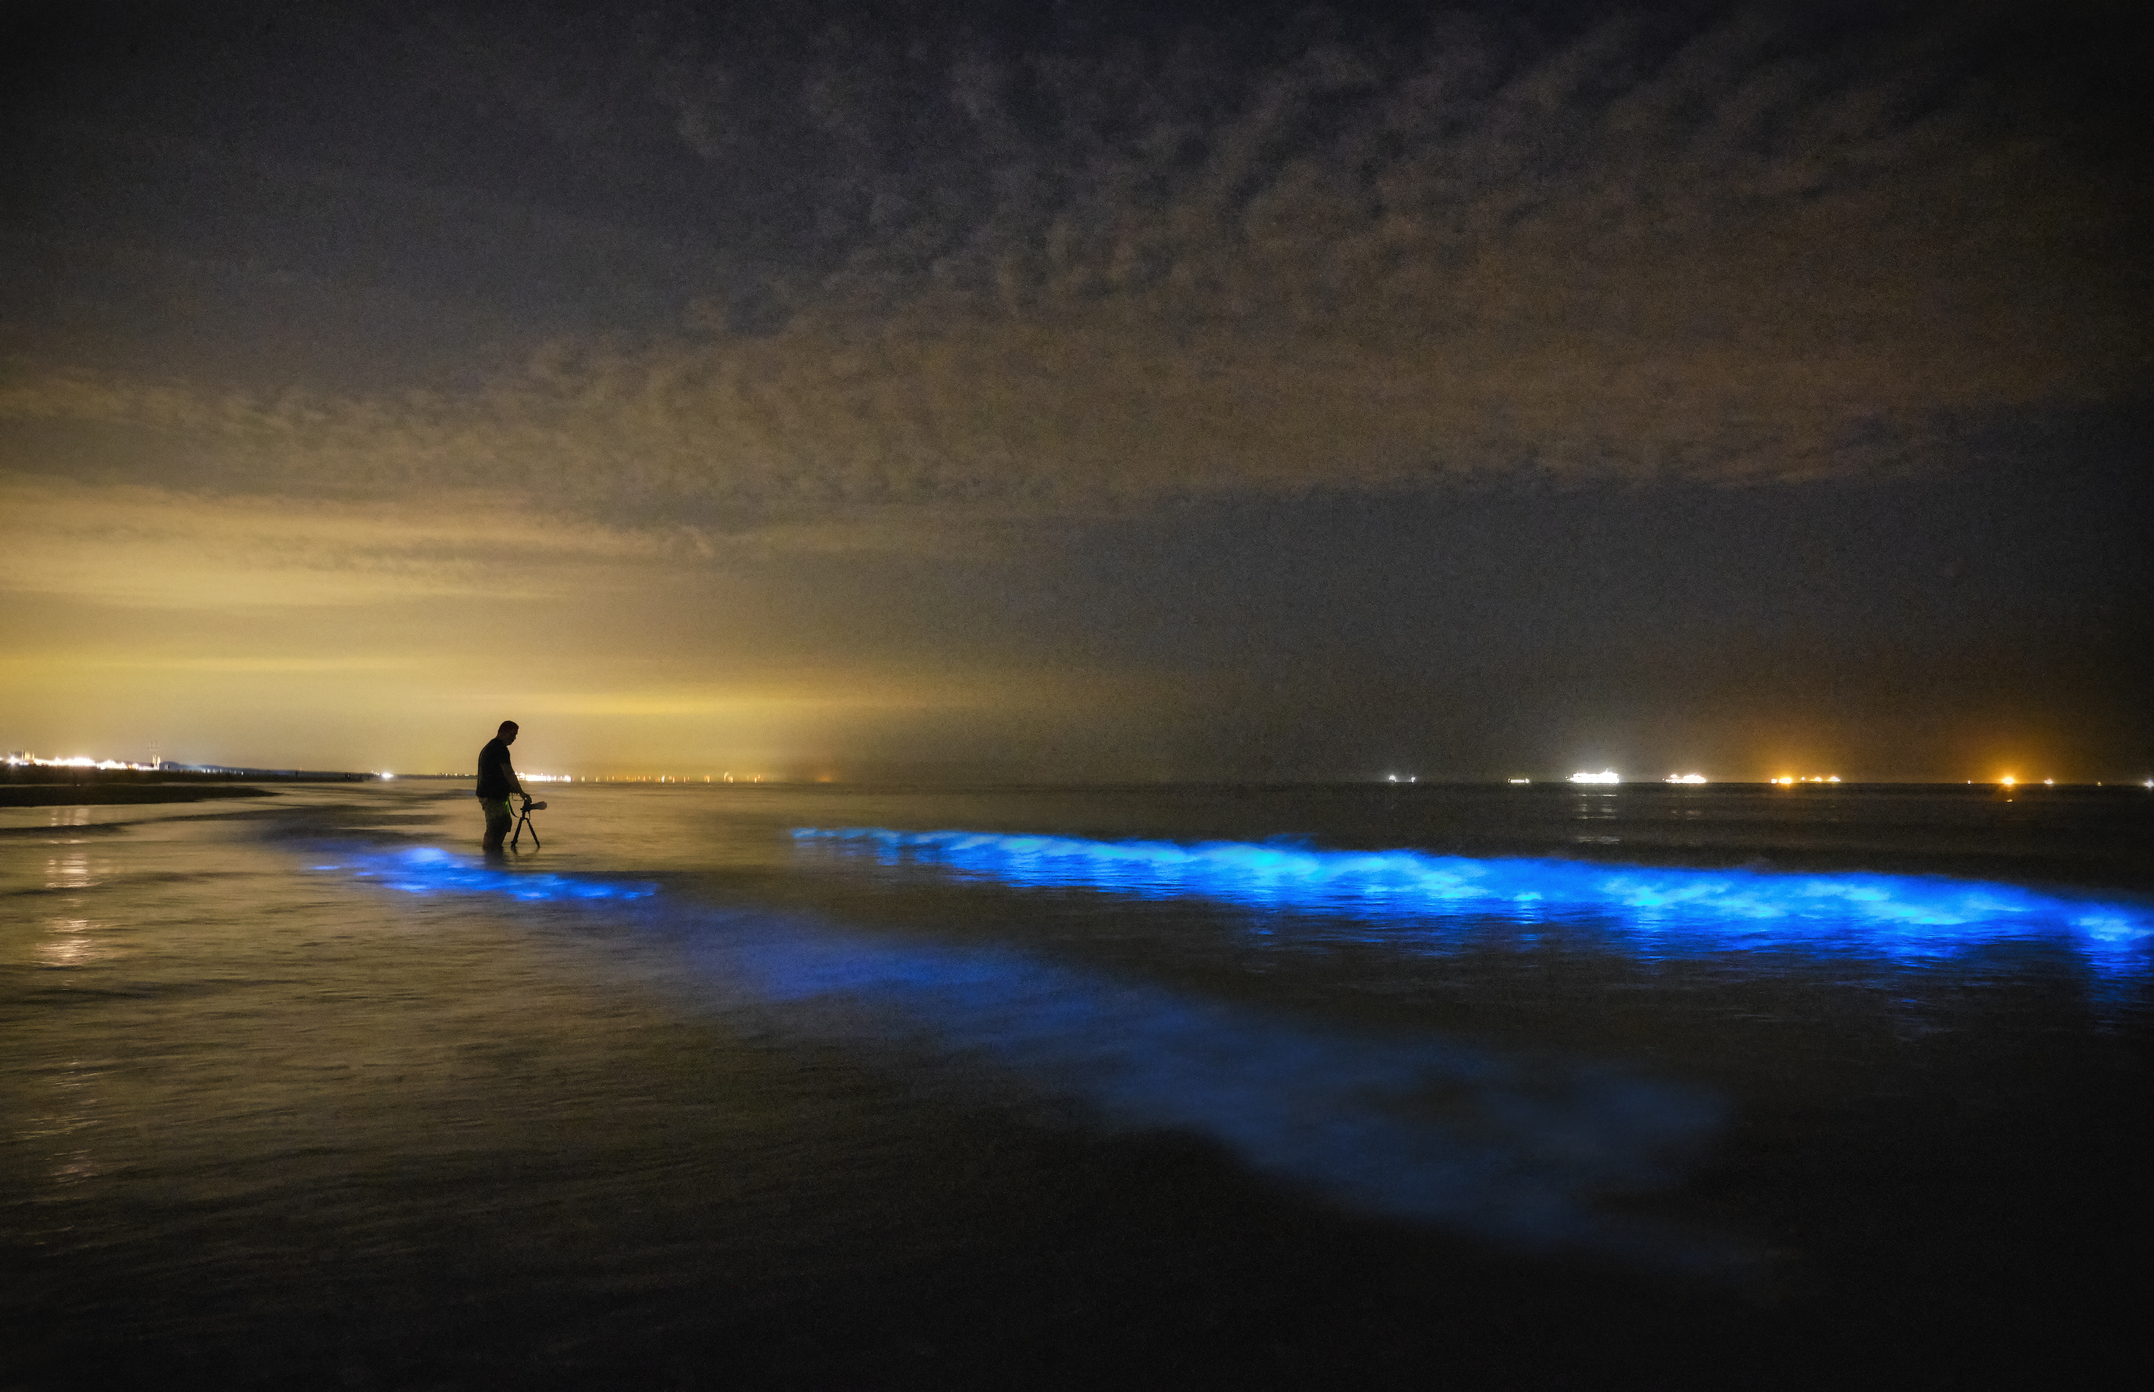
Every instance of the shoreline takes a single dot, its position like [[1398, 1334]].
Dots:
[[120, 794]]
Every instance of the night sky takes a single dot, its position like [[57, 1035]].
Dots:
[[1039, 391]]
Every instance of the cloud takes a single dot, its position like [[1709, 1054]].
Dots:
[[1005, 281], [250, 666], [820, 695], [154, 548]]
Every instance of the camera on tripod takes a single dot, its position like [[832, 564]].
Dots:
[[523, 823]]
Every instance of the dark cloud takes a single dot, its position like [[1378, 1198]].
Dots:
[[849, 264]]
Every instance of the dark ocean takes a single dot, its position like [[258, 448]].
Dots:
[[1287, 1087]]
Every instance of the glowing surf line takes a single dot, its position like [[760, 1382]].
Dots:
[[1511, 1147], [427, 870], [1732, 907]]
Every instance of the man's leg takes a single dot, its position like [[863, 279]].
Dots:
[[498, 821]]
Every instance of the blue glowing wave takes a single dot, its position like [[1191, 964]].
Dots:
[[426, 870], [1511, 1147], [1897, 913]]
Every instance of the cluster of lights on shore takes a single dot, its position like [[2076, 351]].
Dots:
[[1785, 780], [78, 761], [1608, 777]]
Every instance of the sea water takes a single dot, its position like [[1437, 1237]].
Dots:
[[757, 1086]]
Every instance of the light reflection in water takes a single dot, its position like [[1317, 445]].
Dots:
[[1658, 909], [71, 871], [69, 943], [1511, 1147]]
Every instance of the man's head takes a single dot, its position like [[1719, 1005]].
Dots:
[[507, 732]]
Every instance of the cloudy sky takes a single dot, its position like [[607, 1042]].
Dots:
[[1051, 391]]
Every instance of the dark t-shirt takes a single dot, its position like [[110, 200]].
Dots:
[[494, 770]]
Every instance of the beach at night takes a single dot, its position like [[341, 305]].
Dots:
[[1013, 693], [761, 1087]]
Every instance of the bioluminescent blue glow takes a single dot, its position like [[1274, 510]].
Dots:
[[426, 870], [1896, 914], [1510, 1146]]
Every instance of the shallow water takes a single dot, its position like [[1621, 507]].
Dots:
[[767, 1086]]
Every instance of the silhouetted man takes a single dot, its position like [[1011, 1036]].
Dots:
[[497, 784]]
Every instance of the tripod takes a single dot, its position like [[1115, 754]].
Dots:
[[523, 822]]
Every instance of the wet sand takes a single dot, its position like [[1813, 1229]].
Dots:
[[118, 794]]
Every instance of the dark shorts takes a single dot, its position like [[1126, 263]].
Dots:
[[498, 817]]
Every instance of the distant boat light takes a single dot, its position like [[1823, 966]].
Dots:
[[1604, 776], [1686, 778]]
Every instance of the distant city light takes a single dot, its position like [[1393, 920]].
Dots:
[[386, 776], [78, 761], [1604, 776], [2009, 781], [1528, 780], [1685, 778]]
